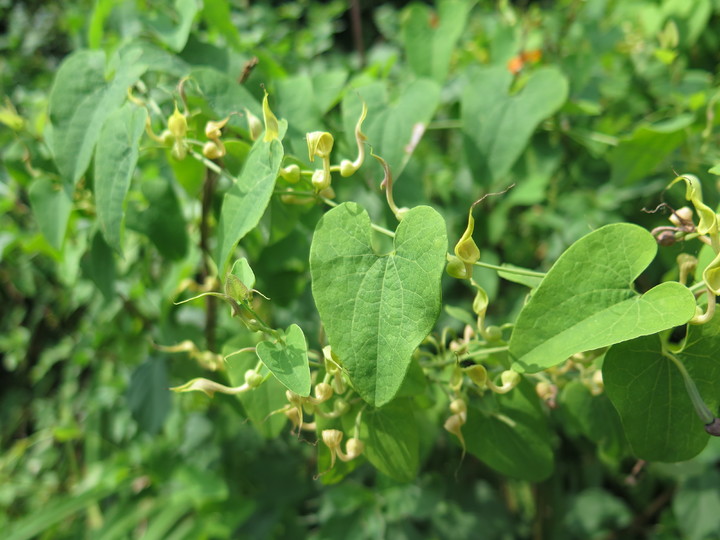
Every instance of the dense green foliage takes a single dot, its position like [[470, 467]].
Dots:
[[407, 268]]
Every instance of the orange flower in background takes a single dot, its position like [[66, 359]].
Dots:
[[516, 63]]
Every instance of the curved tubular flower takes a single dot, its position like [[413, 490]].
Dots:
[[347, 167]]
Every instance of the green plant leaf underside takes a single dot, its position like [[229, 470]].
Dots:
[[377, 309], [586, 300], [288, 360], [649, 393]]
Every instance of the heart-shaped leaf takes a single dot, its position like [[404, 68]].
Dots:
[[377, 308], [648, 391], [586, 300], [287, 359], [497, 125]]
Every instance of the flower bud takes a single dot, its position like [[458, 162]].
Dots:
[[510, 378], [340, 407], [323, 392], [682, 216], [253, 378], [213, 128], [213, 150], [354, 448], [177, 124], [255, 126], [478, 374], [456, 268], [332, 437], [321, 179], [347, 168], [493, 333], [458, 406], [178, 150], [272, 128], [291, 173], [320, 144]]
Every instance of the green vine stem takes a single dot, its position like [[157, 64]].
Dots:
[[702, 410]]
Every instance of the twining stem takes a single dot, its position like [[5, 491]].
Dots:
[[701, 408], [709, 312], [211, 303], [511, 270], [482, 352]]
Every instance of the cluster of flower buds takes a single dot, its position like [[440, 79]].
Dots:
[[456, 420], [332, 438]]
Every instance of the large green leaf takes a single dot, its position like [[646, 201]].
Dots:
[[497, 124], [80, 101], [587, 301], [115, 160], [51, 207], [429, 38], [649, 393], [514, 440], [287, 359], [246, 200], [377, 308], [391, 439]]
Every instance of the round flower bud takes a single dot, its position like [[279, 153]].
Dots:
[[253, 378], [332, 437], [354, 448], [320, 179], [291, 173], [323, 392], [212, 150], [458, 406], [347, 168], [177, 124]]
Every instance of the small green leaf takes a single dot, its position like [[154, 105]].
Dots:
[[80, 101], [391, 439], [497, 125], [586, 300], [377, 309], [241, 270], [115, 159], [515, 440], [51, 206], [259, 402], [287, 359], [246, 200]]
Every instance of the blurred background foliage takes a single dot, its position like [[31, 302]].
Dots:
[[93, 443]]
